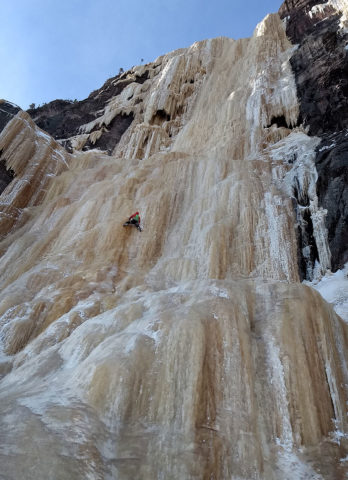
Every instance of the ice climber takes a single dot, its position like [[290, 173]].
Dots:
[[134, 220]]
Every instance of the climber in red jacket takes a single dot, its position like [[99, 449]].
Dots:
[[134, 220]]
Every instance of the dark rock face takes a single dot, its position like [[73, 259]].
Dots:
[[332, 190], [113, 134], [320, 65], [299, 23], [62, 118], [307, 252], [7, 112], [6, 176]]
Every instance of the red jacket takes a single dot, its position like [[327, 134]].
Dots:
[[136, 214]]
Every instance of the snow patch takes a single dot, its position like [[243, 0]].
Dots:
[[318, 9], [333, 287], [339, 5]]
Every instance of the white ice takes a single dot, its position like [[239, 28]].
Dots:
[[333, 287]]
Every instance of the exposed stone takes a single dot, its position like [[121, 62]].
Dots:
[[7, 112], [332, 189], [62, 118], [320, 65], [6, 175], [112, 134], [299, 22]]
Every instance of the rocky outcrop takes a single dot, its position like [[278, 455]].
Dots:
[[111, 135], [105, 117], [63, 118], [6, 175], [7, 112], [302, 16], [320, 65], [332, 186]]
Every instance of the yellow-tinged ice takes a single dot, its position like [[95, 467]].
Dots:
[[189, 350]]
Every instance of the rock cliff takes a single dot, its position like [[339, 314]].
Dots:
[[190, 350], [7, 112], [320, 65]]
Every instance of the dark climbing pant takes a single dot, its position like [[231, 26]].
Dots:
[[135, 223]]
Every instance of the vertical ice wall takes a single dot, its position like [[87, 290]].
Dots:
[[295, 173]]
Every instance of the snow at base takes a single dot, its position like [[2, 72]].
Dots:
[[333, 287]]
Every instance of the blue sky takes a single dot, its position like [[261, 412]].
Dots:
[[53, 49]]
